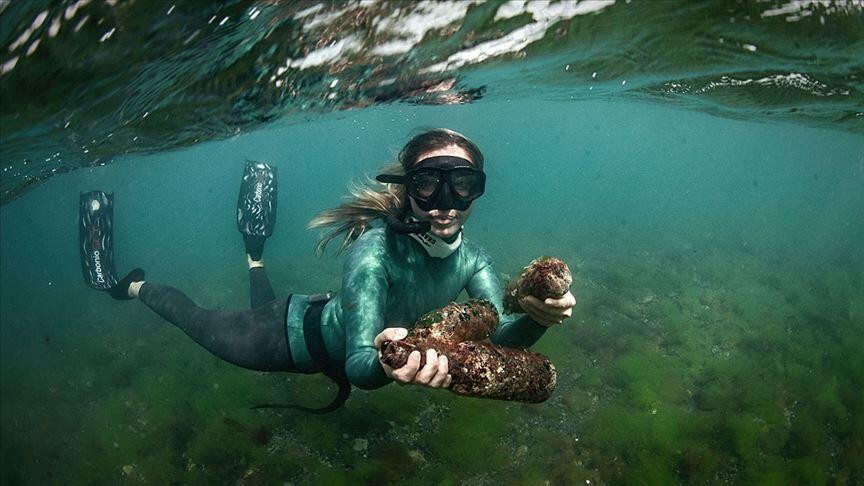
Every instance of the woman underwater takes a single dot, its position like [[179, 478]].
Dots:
[[393, 274]]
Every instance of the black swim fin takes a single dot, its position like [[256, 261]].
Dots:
[[96, 238], [256, 206], [96, 243]]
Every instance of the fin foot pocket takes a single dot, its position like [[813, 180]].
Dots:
[[121, 290], [254, 246]]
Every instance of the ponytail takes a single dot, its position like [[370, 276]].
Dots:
[[366, 202]]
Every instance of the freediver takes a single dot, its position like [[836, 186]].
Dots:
[[406, 255]]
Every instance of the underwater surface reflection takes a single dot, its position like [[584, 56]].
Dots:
[[717, 260]]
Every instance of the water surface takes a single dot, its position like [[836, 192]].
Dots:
[[714, 236]]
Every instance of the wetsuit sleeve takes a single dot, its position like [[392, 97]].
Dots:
[[364, 303], [512, 332]]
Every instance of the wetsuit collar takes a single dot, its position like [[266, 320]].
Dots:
[[434, 245]]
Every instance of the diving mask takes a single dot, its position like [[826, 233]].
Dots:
[[443, 182]]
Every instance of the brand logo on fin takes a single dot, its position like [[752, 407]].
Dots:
[[97, 267], [259, 192]]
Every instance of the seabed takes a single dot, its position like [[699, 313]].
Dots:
[[683, 366]]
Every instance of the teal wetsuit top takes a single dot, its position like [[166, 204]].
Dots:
[[389, 280]]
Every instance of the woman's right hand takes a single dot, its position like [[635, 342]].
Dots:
[[434, 374]]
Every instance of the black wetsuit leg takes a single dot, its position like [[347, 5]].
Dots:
[[260, 290], [255, 339]]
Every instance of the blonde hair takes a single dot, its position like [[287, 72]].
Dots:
[[365, 203], [376, 200]]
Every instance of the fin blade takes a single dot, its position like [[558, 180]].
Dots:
[[96, 239], [256, 204]]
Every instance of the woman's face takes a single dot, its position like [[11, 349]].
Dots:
[[445, 223]]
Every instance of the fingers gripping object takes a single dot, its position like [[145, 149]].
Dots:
[[543, 278], [479, 369]]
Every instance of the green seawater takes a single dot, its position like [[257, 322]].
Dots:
[[717, 339]]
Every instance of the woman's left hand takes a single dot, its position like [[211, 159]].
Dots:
[[551, 311]]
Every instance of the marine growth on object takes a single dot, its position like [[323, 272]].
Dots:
[[479, 369], [543, 278]]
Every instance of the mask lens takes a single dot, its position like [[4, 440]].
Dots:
[[425, 183], [465, 183]]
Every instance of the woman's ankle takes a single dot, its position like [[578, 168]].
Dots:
[[135, 288], [254, 263]]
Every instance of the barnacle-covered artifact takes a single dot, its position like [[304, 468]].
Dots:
[[479, 369], [543, 278]]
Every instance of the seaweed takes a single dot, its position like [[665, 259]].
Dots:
[[710, 368]]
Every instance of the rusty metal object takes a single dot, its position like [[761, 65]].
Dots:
[[543, 278]]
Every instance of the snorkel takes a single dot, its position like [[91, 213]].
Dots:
[[396, 221]]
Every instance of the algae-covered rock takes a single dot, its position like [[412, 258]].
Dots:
[[543, 278], [478, 369]]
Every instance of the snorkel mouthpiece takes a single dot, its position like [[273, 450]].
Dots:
[[399, 226]]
